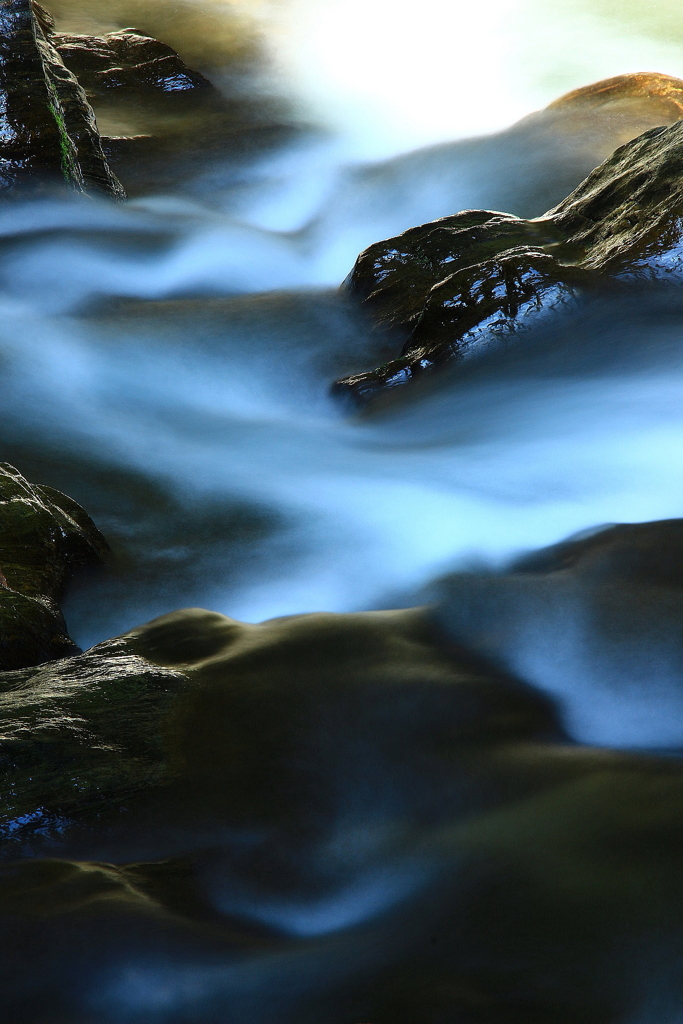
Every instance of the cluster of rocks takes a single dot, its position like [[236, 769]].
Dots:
[[47, 127], [53, 84]]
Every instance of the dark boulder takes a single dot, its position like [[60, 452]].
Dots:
[[48, 130], [45, 537], [127, 61], [163, 123], [455, 287], [344, 810]]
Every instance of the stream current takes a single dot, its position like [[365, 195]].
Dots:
[[167, 363]]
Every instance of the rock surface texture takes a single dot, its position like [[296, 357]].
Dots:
[[465, 284], [45, 537], [127, 61], [47, 127]]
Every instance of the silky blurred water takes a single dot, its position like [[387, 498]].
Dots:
[[167, 362]]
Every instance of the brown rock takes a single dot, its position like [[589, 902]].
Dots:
[[464, 284]]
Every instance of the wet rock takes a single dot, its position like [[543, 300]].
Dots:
[[127, 61], [459, 286], [162, 122], [525, 169], [45, 537], [127, 71], [80, 734], [47, 127]]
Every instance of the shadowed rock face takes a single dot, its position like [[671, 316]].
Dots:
[[403, 825], [47, 127], [346, 817], [458, 286], [45, 536]]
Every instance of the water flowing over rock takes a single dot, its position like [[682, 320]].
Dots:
[[525, 169], [45, 537], [47, 127], [373, 814], [462, 285], [593, 623]]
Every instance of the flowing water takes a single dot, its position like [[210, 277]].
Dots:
[[167, 361]]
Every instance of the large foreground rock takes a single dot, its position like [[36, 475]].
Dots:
[[369, 816], [342, 816], [463, 285]]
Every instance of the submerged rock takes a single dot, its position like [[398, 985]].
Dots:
[[47, 127], [458, 286], [592, 622], [44, 537]]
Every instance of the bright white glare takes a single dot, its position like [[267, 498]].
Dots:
[[391, 77]]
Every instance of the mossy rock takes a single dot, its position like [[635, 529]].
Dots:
[[48, 129]]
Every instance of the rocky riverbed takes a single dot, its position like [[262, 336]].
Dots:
[[398, 739]]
